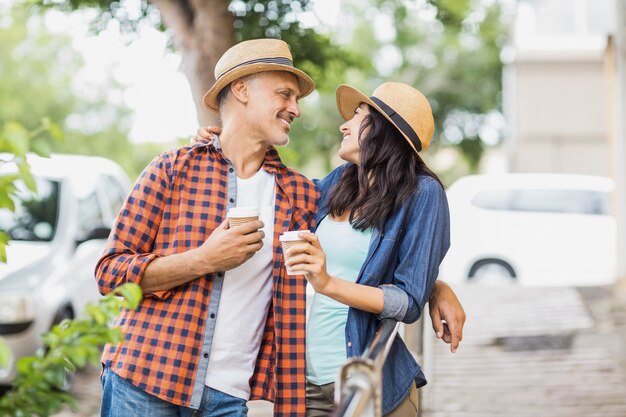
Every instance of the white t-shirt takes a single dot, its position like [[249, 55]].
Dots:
[[245, 299]]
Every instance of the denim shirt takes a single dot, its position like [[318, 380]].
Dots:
[[406, 271]]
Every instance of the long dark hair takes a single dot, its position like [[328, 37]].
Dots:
[[386, 176]]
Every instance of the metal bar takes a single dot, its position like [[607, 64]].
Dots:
[[359, 388]]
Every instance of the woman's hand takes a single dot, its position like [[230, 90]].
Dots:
[[447, 315], [205, 134], [309, 257]]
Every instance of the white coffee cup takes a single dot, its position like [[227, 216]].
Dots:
[[240, 215], [287, 240]]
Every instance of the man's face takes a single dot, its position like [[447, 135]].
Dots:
[[273, 105]]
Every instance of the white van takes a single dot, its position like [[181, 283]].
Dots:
[[534, 229], [57, 236]]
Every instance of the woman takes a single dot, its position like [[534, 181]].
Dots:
[[384, 226], [383, 223]]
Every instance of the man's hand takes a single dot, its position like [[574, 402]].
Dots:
[[205, 134], [228, 248], [447, 315]]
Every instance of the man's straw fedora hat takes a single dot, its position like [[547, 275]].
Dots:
[[404, 106], [250, 57]]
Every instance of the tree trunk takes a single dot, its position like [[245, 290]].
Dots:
[[202, 31]]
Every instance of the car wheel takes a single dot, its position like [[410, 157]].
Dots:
[[492, 272]]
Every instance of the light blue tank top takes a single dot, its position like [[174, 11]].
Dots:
[[346, 249]]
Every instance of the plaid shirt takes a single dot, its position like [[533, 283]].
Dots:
[[179, 199]]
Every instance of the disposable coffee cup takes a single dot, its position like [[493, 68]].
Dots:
[[287, 240], [240, 215]]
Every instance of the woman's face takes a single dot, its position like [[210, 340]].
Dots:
[[350, 148]]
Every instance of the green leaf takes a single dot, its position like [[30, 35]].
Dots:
[[114, 336], [55, 132], [27, 177], [50, 339], [131, 293], [96, 314], [55, 376], [6, 201], [7, 181], [25, 365], [15, 138], [41, 147], [5, 354], [79, 357]]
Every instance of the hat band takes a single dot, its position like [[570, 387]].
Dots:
[[400, 122], [280, 61]]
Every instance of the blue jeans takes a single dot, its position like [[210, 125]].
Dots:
[[121, 399]]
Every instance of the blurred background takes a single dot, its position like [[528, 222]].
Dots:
[[529, 100]]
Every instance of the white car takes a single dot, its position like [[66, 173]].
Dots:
[[57, 237], [533, 229]]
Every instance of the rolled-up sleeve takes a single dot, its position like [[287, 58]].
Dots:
[[423, 246], [128, 251], [396, 303]]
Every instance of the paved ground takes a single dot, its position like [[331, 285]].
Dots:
[[534, 352], [537, 352]]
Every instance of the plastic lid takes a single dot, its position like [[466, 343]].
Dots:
[[243, 212], [291, 235]]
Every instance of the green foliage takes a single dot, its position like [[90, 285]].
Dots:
[[5, 354], [15, 142], [312, 52], [37, 70], [449, 50], [253, 19], [69, 346]]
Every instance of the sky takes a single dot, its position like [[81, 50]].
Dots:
[[154, 88]]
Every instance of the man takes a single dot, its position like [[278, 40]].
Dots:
[[221, 322]]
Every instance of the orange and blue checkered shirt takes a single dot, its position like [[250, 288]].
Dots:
[[179, 199]]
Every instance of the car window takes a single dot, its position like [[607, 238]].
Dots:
[[550, 201], [561, 201], [89, 214], [36, 214], [113, 193], [493, 199]]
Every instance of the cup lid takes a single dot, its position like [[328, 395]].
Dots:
[[292, 235], [243, 212]]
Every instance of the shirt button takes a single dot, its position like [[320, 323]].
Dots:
[[349, 344], [232, 200], [231, 170], [212, 315], [206, 355]]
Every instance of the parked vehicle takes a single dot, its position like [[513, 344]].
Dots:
[[534, 229], [57, 236]]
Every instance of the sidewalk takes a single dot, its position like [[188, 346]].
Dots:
[[607, 305], [543, 352]]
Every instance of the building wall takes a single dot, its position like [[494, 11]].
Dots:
[[560, 113], [556, 95]]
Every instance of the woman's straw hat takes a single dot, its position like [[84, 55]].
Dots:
[[250, 57], [404, 106]]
